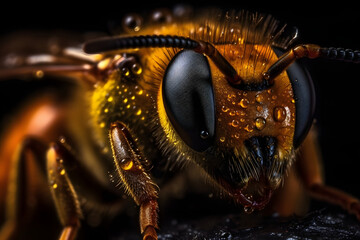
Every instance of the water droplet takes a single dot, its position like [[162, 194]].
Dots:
[[140, 92], [259, 108], [224, 109], [232, 113], [248, 209], [279, 114], [132, 23], [266, 76], [244, 103], [259, 98], [39, 74], [102, 124], [125, 72], [235, 123], [106, 110], [260, 123], [126, 164], [62, 139], [136, 69], [222, 139], [54, 186], [231, 96], [110, 99], [138, 113], [62, 172], [248, 128], [204, 134]]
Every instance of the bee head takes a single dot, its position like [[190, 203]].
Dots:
[[247, 133], [239, 126]]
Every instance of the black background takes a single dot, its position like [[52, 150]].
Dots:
[[327, 25]]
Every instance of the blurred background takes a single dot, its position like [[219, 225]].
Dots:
[[337, 87]]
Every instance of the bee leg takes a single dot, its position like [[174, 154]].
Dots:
[[310, 171], [63, 193], [291, 198], [26, 173], [138, 184]]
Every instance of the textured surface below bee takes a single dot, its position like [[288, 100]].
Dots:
[[326, 224], [207, 96]]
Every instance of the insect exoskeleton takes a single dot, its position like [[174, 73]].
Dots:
[[180, 102], [219, 92]]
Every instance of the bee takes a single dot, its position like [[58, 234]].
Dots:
[[222, 94]]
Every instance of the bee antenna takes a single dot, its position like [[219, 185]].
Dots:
[[116, 43], [309, 51], [143, 41]]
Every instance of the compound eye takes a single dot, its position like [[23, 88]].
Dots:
[[304, 95], [189, 99]]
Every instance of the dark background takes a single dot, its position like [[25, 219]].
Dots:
[[327, 25]]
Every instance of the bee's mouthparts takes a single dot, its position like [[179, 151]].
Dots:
[[254, 195]]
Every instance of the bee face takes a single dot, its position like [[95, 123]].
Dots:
[[244, 132], [255, 127]]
